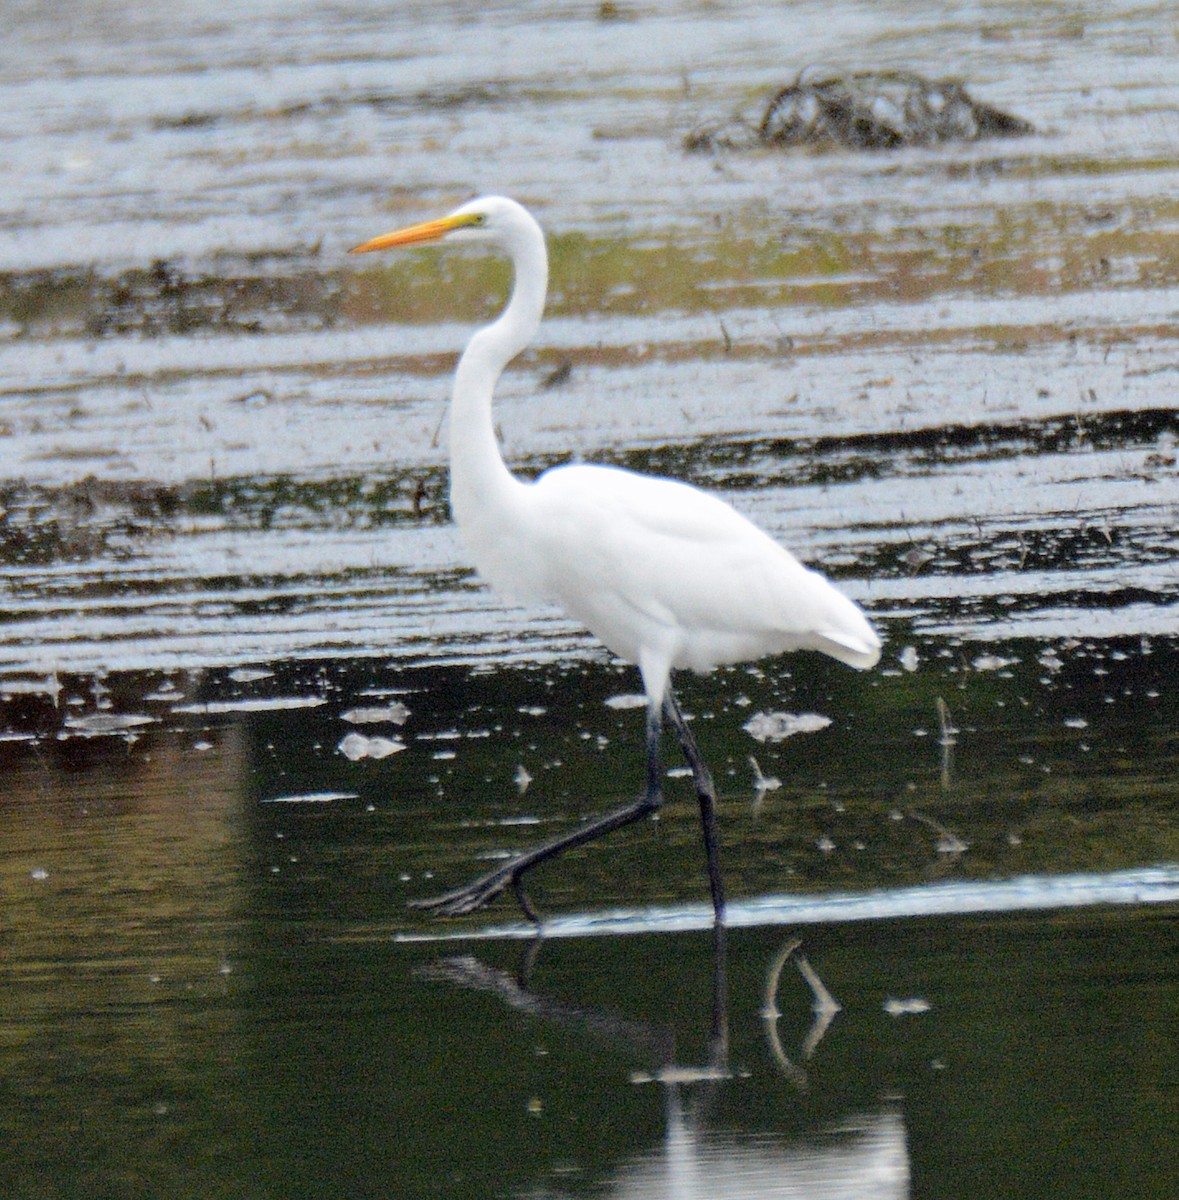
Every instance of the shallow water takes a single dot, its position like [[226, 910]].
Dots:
[[944, 375]]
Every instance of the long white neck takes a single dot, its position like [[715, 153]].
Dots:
[[480, 483]]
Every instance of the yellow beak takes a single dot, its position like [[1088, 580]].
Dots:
[[424, 231]]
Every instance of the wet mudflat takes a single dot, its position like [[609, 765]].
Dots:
[[252, 700]]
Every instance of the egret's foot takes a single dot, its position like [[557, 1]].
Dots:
[[477, 893], [484, 889]]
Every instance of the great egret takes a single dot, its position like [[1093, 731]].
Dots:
[[664, 574]]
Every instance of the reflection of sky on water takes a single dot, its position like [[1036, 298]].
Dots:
[[1153, 885]]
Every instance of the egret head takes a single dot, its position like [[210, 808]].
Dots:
[[490, 219]]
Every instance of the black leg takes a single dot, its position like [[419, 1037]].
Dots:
[[478, 892], [524, 900], [706, 794]]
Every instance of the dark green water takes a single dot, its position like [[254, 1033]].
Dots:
[[203, 1052], [207, 991]]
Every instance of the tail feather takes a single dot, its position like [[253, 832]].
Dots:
[[861, 652]]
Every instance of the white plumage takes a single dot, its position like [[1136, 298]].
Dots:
[[667, 576], [670, 576]]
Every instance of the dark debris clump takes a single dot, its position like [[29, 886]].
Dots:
[[867, 110]]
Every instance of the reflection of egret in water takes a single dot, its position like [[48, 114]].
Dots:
[[863, 1156]]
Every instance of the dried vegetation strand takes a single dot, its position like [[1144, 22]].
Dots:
[[867, 110]]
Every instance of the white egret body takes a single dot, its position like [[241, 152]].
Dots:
[[667, 576]]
